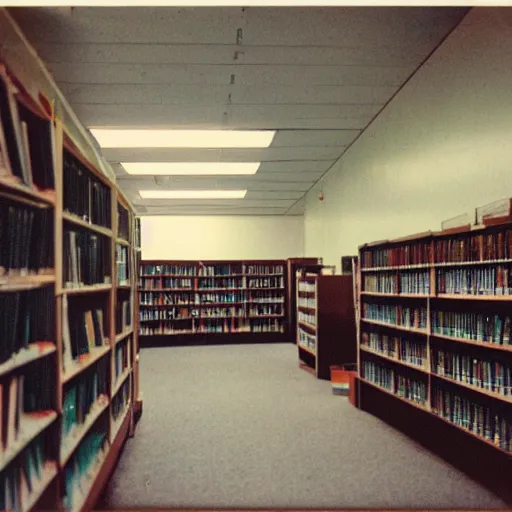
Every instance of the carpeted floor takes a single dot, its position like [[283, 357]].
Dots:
[[243, 426]]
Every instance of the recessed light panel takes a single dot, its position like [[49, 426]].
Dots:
[[190, 168], [192, 194]]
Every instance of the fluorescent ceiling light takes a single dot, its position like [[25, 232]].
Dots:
[[192, 194], [190, 168], [119, 138]]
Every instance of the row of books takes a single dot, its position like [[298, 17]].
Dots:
[[218, 270], [82, 330], [475, 417], [307, 318], [151, 315], [120, 401], [27, 141], [77, 472], [489, 328], [26, 238], [159, 298], [307, 286], [87, 260], [137, 232], [224, 312], [413, 317], [167, 269], [23, 478], [123, 315], [264, 309], [418, 253], [397, 347], [220, 283], [26, 317], [264, 282], [394, 382], [406, 282], [262, 269], [85, 391], [162, 299], [84, 194], [204, 326], [122, 263], [474, 247], [306, 339], [122, 359], [307, 302], [123, 222], [20, 395], [495, 280], [489, 374]]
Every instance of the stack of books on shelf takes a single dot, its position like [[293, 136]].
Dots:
[[203, 297], [450, 290]]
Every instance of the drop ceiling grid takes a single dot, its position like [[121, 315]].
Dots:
[[317, 75]]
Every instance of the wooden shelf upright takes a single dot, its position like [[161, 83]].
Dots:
[[326, 329]]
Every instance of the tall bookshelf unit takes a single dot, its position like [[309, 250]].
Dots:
[[326, 329], [434, 335], [66, 373], [185, 302], [293, 265]]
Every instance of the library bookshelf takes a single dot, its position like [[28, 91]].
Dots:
[[434, 343], [67, 306], [326, 329], [203, 302], [293, 265]]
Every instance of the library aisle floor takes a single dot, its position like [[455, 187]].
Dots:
[[242, 426]]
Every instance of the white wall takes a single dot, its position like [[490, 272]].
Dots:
[[442, 147], [222, 237]]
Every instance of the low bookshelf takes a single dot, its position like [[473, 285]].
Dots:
[[326, 329], [435, 346], [231, 301]]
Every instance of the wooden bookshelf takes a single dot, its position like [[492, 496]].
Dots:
[[293, 265], [62, 287], [435, 325], [325, 322], [231, 301]]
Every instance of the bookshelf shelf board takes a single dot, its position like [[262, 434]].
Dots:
[[404, 295], [73, 219], [394, 359], [48, 474], [123, 335], [472, 434], [12, 184], [478, 389], [307, 349], [264, 288], [147, 320], [396, 267], [120, 381], [309, 326], [94, 288], [31, 425], [262, 275], [171, 306], [71, 442], [306, 308], [122, 241], [116, 425], [24, 356], [124, 286], [77, 368], [470, 263], [178, 276], [25, 282], [457, 296], [201, 333], [394, 326], [484, 344], [266, 316], [167, 290], [406, 400]]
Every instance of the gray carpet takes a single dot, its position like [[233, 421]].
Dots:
[[243, 426]]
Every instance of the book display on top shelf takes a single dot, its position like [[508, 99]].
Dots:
[[66, 371], [179, 298], [326, 329], [435, 327]]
